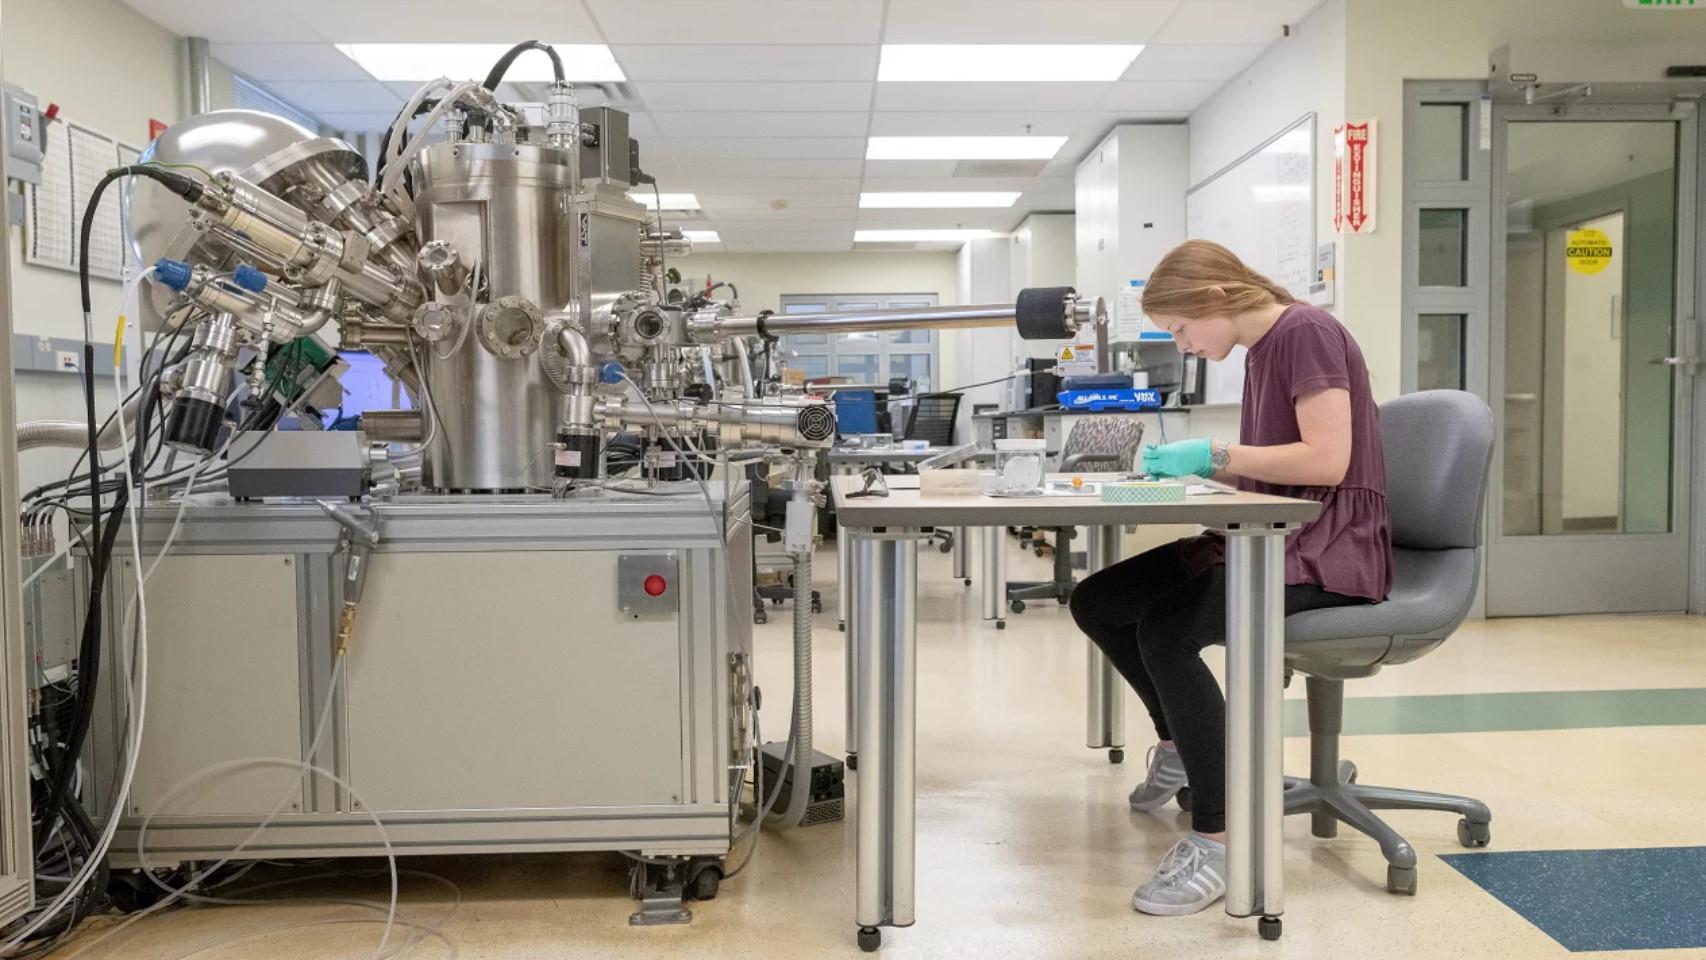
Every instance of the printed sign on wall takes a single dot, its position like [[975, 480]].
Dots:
[[1354, 182]]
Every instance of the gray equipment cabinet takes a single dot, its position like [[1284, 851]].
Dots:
[[512, 683], [17, 874]]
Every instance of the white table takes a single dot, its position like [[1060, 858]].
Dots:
[[849, 460], [882, 641]]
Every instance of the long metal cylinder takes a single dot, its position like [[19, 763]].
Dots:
[[501, 206], [866, 321]]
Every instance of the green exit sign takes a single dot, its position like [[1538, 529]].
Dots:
[[1666, 4]]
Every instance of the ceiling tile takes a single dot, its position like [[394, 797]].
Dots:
[[770, 187], [911, 168], [1193, 61], [1232, 21], [767, 147], [947, 181], [709, 63], [268, 62], [641, 128], [344, 21], [367, 96], [989, 96], [780, 205], [1181, 96], [353, 123], [587, 95], [661, 95], [939, 219], [825, 244], [908, 123], [1025, 21], [739, 167], [738, 21], [237, 20], [797, 124]]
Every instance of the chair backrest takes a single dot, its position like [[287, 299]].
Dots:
[[1439, 447], [1106, 444], [932, 418]]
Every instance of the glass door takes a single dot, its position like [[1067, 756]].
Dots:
[[1593, 252]]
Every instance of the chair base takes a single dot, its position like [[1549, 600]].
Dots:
[[1332, 796], [1040, 590]]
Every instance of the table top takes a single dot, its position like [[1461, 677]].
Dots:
[[909, 508]]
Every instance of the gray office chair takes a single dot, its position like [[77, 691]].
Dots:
[[1106, 444], [1438, 446]]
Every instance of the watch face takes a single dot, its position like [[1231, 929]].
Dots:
[[1221, 456]]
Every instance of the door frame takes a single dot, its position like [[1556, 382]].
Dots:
[[1687, 475]]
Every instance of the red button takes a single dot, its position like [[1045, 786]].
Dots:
[[656, 585]]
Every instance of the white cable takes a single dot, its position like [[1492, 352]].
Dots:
[[394, 146], [716, 518], [394, 168]]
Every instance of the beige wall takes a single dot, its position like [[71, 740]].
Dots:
[[107, 67], [1388, 42]]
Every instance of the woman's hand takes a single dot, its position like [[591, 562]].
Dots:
[[1187, 458]]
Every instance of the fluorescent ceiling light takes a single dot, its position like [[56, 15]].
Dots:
[[702, 236], [963, 148], [918, 236], [670, 201], [939, 200], [1008, 62], [420, 62]]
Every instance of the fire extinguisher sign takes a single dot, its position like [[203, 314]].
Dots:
[[1354, 180]]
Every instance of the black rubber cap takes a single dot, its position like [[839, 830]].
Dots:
[[1041, 313], [194, 425]]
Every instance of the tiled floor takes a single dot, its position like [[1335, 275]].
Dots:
[[1027, 849]]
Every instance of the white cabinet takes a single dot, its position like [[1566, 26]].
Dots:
[[1131, 205]]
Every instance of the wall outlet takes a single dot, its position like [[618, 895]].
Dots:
[[65, 360]]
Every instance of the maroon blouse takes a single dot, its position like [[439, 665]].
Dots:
[[1348, 549]]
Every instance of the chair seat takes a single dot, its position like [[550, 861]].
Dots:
[[1429, 588]]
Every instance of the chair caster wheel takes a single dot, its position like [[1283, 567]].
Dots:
[[759, 616], [841, 625], [1401, 880], [1347, 772], [1000, 624], [946, 548], [870, 938], [705, 883], [853, 761], [1474, 834], [1183, 799], [1017, 606], [968, 581], [1038, 551], [1269, 928], [1116, 755]]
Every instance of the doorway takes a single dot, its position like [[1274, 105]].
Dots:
[[1593, 222]]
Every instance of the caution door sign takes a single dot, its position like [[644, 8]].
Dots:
[[1588, 250]]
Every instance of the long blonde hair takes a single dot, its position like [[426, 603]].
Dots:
[[1201, 278]]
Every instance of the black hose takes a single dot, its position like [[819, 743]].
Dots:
[[500, 68], [89, 652]]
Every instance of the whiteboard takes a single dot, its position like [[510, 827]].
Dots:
[[1262, 207]]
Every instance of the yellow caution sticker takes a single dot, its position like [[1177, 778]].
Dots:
[[1066, 353], [1588, 250]]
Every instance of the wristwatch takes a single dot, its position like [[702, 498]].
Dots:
[[1220, 454]]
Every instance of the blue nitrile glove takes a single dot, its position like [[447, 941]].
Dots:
[[1183, 459]]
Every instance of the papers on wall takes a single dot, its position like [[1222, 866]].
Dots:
[[76, 158]]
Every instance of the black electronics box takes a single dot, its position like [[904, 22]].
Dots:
[[828, 800]]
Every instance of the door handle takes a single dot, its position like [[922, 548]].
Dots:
[[1688, 365]]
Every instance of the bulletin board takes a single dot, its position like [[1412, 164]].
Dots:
[[75, 159]]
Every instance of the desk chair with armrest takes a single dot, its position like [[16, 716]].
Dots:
[[1438, 444], [1100, 444], [931, 418]]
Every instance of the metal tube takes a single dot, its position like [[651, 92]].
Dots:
[[901, 631], [845, 589], [1105, 688], [868, 321], [1241, 678], [962, 554], [201, 79], [1270, 723], [992, 573], [873, 585]]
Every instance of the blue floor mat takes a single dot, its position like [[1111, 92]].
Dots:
[[1638, 899]]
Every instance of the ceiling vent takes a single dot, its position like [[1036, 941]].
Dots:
[[999, 168]]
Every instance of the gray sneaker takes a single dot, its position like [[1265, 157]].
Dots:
[[1166, 776], [1192, 877]]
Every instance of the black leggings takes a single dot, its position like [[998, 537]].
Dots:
[[1153, 620]]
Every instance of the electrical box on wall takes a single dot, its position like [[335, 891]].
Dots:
[[26, 132]]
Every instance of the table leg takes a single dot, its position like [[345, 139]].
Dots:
[[962, 555], [844, 568], [1105, 703], [849, 620], [885, 634], [1255, 689], [993, 574]]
